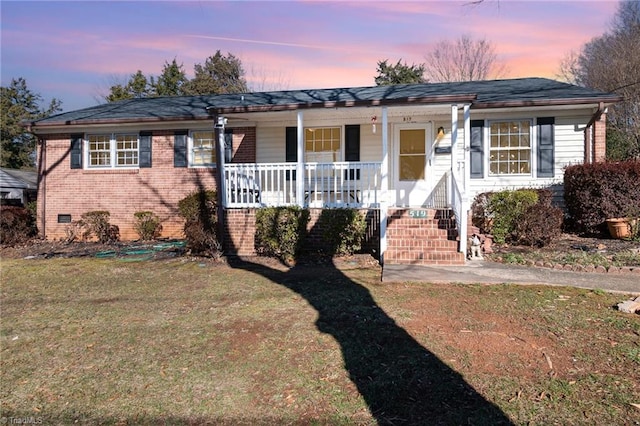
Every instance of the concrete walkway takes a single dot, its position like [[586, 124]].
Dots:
[[486, 272]]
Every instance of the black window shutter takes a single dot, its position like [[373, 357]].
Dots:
[[144, 150], [291, 148], [477, 149], [352, 148], [180, 149], [228, 145], [546, 146], [76, 151]]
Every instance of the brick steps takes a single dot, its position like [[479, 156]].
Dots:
[[430, 239]]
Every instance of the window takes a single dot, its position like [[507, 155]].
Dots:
[[113, 150], [322, 145], [412, 156], [203, 149], [510, 148]]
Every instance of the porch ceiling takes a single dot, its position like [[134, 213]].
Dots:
[[341, 114]]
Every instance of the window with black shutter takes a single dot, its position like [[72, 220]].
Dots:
[[180, 149], [477, 149], [76, 151], [546, 146], [144, 161]]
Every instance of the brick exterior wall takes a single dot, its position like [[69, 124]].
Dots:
[[600, 138], [240, 231], [123, 192]]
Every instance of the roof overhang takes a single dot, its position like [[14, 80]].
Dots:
[[547, 102], [430, 100]]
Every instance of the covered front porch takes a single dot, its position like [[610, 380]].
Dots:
[[413, 178]]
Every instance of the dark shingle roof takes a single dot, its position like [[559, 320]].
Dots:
[[481, 94]]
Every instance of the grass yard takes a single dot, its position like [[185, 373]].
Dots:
[[178, 341]]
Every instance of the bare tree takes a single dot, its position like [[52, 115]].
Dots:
[[464, 59], [568, 68], [259, 79], [611, 63]]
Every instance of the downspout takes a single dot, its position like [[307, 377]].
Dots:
[[42, 183], [590, 139]]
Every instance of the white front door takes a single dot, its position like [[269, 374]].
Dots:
[[411, 159]]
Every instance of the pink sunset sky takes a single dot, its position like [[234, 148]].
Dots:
[[75, 50]]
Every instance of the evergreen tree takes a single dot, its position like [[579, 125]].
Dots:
[[399, 73], [138, 86], [19, 104], [172, 80], [218, 74]]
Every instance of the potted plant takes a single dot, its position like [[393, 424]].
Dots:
[[619, 227], [627, 226]]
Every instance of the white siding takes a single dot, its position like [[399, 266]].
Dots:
[[568, 149]]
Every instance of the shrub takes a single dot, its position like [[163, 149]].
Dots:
[[17, 225], [147, 225], [506, 208], [73, 231], [598, 191], [343, 230], [539, 225], [523, 216], [96, 223], [199, 210], [480, 215], [280, 231]]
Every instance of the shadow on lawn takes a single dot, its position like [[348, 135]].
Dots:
[[401, 381]]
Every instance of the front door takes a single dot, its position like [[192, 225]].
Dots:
[[411, 159]]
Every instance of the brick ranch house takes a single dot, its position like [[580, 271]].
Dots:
[[411, 156]]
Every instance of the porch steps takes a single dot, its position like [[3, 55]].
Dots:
[[422, 236]]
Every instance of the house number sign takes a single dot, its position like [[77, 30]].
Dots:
[[418, 214]]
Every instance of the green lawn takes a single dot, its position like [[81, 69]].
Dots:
[[103, 341]]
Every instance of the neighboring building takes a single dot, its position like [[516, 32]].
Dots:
[[18, 187], [413, 156]]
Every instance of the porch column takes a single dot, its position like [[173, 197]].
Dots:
[[384, 184], [300, 164], [454, 137], [221, 184], [220, 174], [467, 148]]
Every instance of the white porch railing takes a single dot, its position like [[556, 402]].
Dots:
[[345, 184], [460, 207]]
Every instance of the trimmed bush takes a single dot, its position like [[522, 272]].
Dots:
[[598, 191], [147, 225], [280, 231], [480, 215], [343, 230], [523, 216], [17, 225], [539, 225], [199, 210], [507, 208], [96, 223]]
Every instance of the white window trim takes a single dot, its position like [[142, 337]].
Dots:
[[533, 126], [113, 152], [342, 141], [190, 158]]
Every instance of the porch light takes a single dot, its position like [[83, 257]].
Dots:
[[374, 119], [440, 135]]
